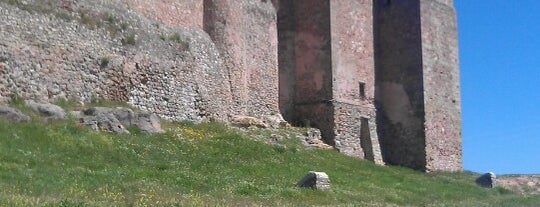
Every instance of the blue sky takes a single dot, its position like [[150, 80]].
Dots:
[[499, 44]]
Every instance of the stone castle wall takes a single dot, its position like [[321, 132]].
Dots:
[[185, 13], [441, 85], [398, 56], [84, 51], [245, 33], [418, 84], [353, 67], [379, 78], [306, 65]]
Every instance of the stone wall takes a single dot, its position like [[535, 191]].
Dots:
[[245, 32], [354, 78], [441, 86], [87, 50], [184, 13], [327, 72], [418, 84], [260, 37], [306, 71], [153, 54], [398, 56], [286, 57]]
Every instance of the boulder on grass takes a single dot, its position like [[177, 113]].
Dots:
[[12, 114], [315, 180], [48, 111], [122, 114], [104, 122], [487, 180], [144, 121], [147, 122]]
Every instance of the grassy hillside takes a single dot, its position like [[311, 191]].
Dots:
[[62, 164]]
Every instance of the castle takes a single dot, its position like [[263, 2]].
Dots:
[[379, 78]]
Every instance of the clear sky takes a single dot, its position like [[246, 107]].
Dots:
[[499, 44]]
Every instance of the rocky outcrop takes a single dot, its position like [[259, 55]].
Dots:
[[114, 120], [12, 114], [49, 112], [117, 119], [104, 122]]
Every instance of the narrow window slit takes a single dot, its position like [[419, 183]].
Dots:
[[362, 89]]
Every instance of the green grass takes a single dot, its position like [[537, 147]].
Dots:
[[62, 164]]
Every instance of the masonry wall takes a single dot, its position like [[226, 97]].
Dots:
[[50, 53], [260, 36], [184, 13], [418, 84], [354, 78], [399, 77], [441, 86], [306, 64], [286, 56], [245, 33]]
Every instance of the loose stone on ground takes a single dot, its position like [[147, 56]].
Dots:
[[315, 180]]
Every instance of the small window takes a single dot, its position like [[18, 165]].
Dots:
[[362, 89]]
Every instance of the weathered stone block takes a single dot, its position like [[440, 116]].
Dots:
[[315, 180]]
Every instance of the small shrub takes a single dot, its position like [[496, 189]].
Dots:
[[183, 44], [129, 39], [112, 29], [104, 61], [3, 59], [162, 37], [88, 20], [111, 24], [110, 18], [124, 26], [175, 37]]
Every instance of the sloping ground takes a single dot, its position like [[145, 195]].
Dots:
[[525, 184], [62, 164]]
